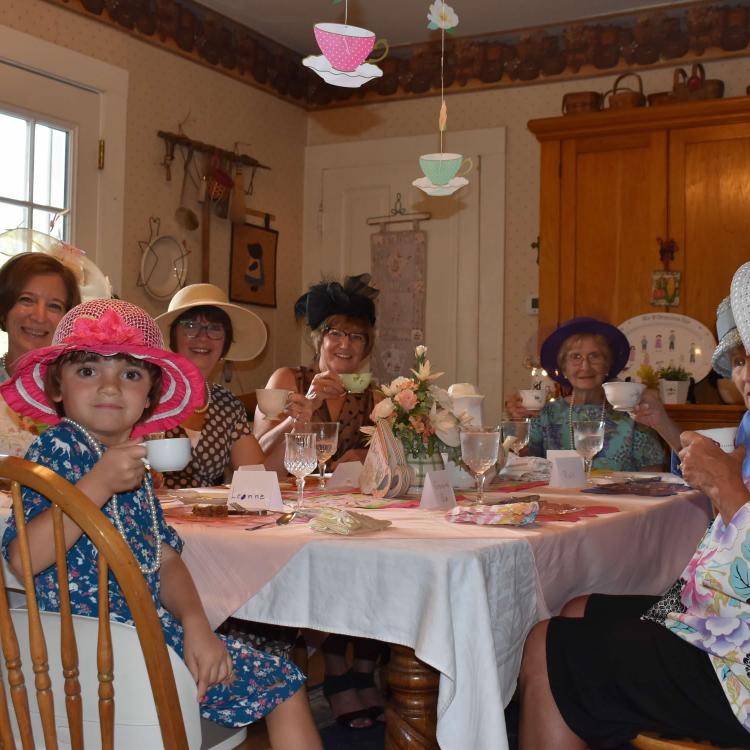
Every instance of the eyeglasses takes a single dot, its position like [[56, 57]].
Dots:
[[193, 328], [358, 339], [593, 358]]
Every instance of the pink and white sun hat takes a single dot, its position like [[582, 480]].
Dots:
[[108, 327]]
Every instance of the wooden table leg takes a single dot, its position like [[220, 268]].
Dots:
[[411, 713]]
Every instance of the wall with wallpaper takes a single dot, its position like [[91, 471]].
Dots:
[[511, 108], [162, 89]]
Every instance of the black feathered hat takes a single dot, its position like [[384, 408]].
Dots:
[[354, 299]]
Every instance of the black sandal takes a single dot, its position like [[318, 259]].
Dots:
[[363, 681], [335, 684]]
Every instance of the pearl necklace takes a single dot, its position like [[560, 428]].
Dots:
[[94, 445], [570, 418], [205, 406]]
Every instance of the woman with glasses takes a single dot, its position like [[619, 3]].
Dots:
[[201, 325], [581, 355], [341, 321]]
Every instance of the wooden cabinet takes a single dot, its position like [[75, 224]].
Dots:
[[613, 182]]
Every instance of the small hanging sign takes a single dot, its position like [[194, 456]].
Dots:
[[666, 284]]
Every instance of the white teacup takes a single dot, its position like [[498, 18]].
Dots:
[[724, 436], [168, 454], [532, 399], [623, 395], [272, 401], [356, 382]]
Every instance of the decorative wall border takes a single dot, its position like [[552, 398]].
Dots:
[[692, 31]]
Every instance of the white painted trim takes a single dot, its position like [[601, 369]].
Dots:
[[111, 83], [489, 144]]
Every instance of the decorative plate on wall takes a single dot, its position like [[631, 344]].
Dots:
[[668, 339]]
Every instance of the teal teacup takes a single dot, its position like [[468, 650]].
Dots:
[[440, 169]]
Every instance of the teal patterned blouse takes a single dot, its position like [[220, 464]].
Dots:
[[628, 446]]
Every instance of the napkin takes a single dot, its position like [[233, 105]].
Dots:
[[529, 468], [346, 522], [510, 514]]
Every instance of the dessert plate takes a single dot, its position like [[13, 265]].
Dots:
[[351, 80], [424, 184]]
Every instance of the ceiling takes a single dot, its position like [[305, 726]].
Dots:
[[290, 22]]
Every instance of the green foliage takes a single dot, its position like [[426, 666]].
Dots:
[[673, 373]]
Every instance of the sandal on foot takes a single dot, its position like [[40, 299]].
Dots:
[[335, 684], [363, 681]]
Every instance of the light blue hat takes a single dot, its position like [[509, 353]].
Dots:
[[729, 339]]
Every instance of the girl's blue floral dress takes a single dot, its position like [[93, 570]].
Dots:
[[261, 681], [628, 446]]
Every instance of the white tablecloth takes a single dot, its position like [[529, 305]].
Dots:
[[463, 597]]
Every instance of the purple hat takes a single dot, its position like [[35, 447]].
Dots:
[[584, 326]]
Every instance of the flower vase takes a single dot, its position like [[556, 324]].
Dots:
[[419, 466]]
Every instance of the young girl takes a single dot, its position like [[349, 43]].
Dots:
[[105, 381]]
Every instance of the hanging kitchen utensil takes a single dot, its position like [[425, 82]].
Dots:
[[164, 263], [185, 216], [237, 207]]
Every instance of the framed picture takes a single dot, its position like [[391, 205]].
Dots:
[[665, 288], [252, 266]]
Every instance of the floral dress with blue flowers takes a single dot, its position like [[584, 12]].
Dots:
[[261, 681], [628, 446]]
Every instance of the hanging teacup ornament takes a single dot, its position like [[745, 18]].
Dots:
[[442, 171], [345, 60]]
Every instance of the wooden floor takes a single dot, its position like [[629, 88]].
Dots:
[[257, 738]]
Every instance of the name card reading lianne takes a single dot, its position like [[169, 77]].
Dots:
[[256, 490]]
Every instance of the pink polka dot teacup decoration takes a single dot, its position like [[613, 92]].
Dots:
[[346, 47]]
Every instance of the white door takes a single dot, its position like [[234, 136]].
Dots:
[[72, 114], [348, 183]]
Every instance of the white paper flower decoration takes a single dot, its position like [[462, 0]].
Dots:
[[441, 16]]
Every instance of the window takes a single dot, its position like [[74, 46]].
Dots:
[[35, 180]]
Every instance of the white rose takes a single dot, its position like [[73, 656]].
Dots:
[[383, 409], [445, 426], [420, 350]]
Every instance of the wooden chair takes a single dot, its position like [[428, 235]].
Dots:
[[156, 694], [648, 741]]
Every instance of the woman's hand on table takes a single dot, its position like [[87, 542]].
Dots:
[[515, 408], [718, 474]]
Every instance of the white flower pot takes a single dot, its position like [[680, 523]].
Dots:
[[674, 391]]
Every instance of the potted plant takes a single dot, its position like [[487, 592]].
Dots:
[[673, 384]]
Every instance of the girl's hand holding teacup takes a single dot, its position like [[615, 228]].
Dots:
[[121, 467]]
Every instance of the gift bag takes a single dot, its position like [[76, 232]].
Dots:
[[385, 473]]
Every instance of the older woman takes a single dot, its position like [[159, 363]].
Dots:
[[581, 355], [613, 666], [341, 320], [203, 326], [36, 290]]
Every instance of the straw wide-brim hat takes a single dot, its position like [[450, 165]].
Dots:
[[584, 326], [108, 327], [250, 335], [729, 339]]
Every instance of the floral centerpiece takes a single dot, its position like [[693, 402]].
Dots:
[[420, 414]]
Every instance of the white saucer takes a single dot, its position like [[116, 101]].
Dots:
[[450, 187], [352, 79]]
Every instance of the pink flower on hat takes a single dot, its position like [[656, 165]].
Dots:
[[109, 328]]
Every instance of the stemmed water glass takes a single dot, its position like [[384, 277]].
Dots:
[[515, 435], [479, 451], [326, 442], [300, 459], [588, 439]]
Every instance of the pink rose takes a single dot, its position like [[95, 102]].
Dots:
[[406, 399]]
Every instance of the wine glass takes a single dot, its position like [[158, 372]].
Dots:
[[479, 451], [515, 435], [326, 442], [300, 459], [588, 438]]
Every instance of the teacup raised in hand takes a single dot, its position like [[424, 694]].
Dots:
[[272, 401], [623, 395], [168, 454]]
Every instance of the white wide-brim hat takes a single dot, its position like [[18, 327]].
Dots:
[[740, 298], [729, 339], [250, 335]]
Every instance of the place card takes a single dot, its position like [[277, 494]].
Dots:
[[567, 471], [345, 476], [437, 493], [256, 490], [251, 467], [553, 453]]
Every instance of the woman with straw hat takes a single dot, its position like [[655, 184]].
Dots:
[[202, 325]]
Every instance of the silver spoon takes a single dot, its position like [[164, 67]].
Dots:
[[282, 520]]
